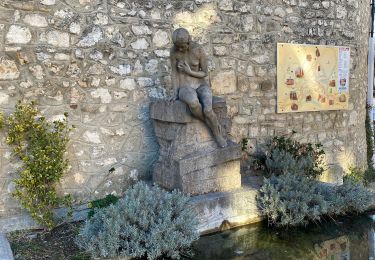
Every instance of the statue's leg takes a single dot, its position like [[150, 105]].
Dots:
[[189, 96], [205, 97]]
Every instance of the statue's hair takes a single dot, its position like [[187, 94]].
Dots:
[[181, 35]]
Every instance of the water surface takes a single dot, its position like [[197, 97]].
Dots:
[[345, 238]]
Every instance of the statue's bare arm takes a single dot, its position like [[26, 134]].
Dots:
[[202, 72]]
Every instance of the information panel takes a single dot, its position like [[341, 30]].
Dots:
[[312, 77]]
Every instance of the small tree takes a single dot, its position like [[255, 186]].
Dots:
[[40, 146]]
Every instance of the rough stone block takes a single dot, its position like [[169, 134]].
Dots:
[[199, 173], [266, 85], [223, 177], [18, 34], [334, 175], [204, 160], [190, 159], [224, 83], [235, 208], [8, 69], [174, 111]]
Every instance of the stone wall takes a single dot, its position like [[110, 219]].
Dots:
[[103, 61]]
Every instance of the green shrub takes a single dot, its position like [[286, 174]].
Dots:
[[293, 200], [355, 174], [244, 144], [369, 175], [147, 222], [40, 146], [283, 154], [101, 203], [369, 137]]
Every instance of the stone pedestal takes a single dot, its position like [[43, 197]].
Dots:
[[190, 159], [220, 211]]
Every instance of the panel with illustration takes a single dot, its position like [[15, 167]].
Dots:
[[312, 77]]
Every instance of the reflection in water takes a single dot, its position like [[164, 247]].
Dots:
[[344, 239]]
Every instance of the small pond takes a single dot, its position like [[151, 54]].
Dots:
[[345, 238]]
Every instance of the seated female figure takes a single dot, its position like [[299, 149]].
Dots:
[[189, 70]]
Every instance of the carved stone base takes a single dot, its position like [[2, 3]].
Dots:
[[200, 173], [224, 210], [190, 159]]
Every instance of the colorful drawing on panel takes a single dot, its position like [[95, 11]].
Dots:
[[312, 77]]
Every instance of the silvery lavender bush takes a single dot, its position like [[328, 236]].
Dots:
[[291, 200], [147, 222], [281, 161], [282, 154], [351, 197], [294, 200]]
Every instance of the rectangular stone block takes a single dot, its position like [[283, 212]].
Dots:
[[166, 130], [224, 170], [173, 111], [165, 175], [224, 83], [212, 185], [224, 177], [205, 159], [235, 208]]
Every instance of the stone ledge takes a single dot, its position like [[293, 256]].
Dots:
[[25, 221], [5, 251], [215, 211]]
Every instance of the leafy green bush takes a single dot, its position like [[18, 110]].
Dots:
[[293, 200], [369, 175], [147, 222], [101, 203], [40, 146], [355, 174], [244, 144], [283, 154], [369, 137]]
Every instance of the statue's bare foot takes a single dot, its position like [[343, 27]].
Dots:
[[221, 141]]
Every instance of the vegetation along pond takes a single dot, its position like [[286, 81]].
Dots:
[[344, 238]]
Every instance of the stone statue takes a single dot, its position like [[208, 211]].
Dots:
[[189, 70]]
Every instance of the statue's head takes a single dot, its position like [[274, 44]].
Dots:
[[181, 39]]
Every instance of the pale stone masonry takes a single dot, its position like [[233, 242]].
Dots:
[[104, 61]]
